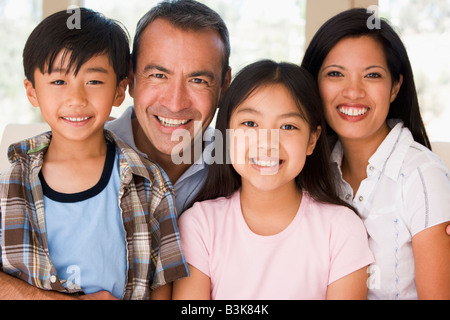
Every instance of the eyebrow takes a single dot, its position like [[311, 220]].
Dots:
[[149, 67], [248, 110], [89, 70], [203, 73], [342, 68], [284, 115], [194, 74], [291, 115], [97, 69]]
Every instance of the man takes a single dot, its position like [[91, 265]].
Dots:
[[179, 72]]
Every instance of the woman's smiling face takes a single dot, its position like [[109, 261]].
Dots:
[[356, 88]]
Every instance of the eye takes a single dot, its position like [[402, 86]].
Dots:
[[373, 75], [157, 76], [249, 124], [334, 74], [288, 127], [58, 82], [199, 81], [94, 82]]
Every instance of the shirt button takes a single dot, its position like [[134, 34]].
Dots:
[[361, 198], [53, 279], [347, 197], [371, 168]]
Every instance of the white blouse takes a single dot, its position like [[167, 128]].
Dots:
[[407, 190]]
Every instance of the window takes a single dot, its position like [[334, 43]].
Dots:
[[17, 19], [259, 29], [424, 27]]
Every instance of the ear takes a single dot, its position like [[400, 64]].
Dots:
[[131, 81], [120, 92], [313, 137], [31, 93], [396, 88]]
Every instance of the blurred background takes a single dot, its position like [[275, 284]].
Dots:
[[278, 30]]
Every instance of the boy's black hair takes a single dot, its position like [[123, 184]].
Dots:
[[92, 35]]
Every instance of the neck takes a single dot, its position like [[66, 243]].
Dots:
[[61, 149], [357, 153], [79, 162], [270, 212], [174, 171]]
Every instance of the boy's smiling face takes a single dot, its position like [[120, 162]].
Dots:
[[76, 106]]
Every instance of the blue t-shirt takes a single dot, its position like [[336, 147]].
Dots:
[[85, 233]]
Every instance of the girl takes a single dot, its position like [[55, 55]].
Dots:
[[382, 157], [276, 228]]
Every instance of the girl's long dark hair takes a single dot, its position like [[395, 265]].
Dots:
[[316, 177], [353, 23]]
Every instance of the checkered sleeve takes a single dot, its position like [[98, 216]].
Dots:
[[170, 261]]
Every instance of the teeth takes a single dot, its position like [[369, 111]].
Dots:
[[353, 111], [75, 119], [171, 122], [264, 163]]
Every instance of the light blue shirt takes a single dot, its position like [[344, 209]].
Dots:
[[86, 237], [189, 184]]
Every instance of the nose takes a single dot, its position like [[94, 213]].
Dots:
[[175, 96], [269, 142], [354, 89], [76, 96]]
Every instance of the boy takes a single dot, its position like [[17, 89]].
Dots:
[[81, 212]]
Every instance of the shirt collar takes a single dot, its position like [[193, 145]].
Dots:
[[122, 127], [390, 154], [201, 163]]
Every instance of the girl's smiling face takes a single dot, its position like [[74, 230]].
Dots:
[[356, 87], [269, 139]]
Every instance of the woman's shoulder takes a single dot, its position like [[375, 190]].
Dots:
[[421, 159]]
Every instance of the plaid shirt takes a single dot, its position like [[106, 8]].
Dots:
[[148, 213]]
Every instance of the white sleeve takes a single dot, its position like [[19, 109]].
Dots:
[[427, 197]]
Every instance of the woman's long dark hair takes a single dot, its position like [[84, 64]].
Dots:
[[353, 23], [316, 177]]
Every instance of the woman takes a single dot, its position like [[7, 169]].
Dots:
[[382, 155]]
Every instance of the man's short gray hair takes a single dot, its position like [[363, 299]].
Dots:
[[185, 15]]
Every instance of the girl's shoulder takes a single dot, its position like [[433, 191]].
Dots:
[[337, 223], [211, 209], [328, 213], [216, 203]]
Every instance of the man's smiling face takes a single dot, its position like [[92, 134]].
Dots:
[[178, 81]]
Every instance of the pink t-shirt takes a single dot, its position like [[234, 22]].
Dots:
[[322, 244]]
